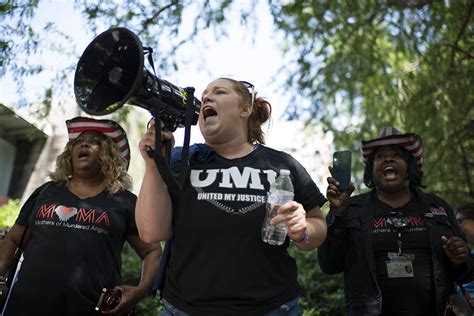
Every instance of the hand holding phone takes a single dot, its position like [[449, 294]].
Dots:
[[341, 168], [108, 299]]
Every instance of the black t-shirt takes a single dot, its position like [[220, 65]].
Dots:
[[219, 264], [74, 251], [418, 292]]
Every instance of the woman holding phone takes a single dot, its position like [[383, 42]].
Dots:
[[400, 249]]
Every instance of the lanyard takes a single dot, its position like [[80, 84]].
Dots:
[[399, 223]]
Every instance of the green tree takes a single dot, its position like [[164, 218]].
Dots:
[[361, 65]]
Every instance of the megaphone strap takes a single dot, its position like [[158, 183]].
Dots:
[[149, 51], [163, 163], [184, 166]]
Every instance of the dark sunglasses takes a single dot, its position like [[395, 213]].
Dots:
[[251, 89]]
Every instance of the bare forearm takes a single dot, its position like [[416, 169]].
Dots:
[[149, 269], [8, 246], [7, 249], [153, 210]]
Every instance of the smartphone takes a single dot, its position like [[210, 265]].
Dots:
[[341, 168], [108, 299]]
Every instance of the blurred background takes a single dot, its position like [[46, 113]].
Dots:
[[335, 72]]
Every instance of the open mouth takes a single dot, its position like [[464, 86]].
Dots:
[[83, 154], [208, 112], [390, 172]]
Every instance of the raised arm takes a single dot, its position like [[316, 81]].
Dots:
[[153, 211]]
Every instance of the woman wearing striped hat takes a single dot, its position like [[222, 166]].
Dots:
[[76, 226], [400, 249]]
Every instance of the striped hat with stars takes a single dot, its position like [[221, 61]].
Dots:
[[391, 136], [113, 130]]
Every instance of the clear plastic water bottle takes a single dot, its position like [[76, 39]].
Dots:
[[281, 191]]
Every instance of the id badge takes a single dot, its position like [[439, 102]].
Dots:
[[400, 266]]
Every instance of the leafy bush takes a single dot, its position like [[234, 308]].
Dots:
[[131, 270], [9, 213], [321, 294]]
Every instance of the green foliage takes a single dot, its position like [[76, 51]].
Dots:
[[131, 269], [322, 294], [364, 65], [9, 213]]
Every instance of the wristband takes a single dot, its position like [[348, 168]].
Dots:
[[303, 239]]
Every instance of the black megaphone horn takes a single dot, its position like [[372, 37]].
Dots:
[[111, 73]]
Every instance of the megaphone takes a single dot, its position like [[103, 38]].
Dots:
[[111, 73]]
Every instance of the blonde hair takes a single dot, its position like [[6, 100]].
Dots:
[[112, 165], [261, 111]]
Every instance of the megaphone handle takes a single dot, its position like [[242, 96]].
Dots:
[[168, 145], [168, 148], [163, 161]]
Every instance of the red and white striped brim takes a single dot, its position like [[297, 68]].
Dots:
[[391, 136], [78, 125]]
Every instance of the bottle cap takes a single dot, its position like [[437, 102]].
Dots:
[[285, 172]]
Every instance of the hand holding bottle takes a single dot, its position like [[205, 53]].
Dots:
[[293, 214], [281, 192]]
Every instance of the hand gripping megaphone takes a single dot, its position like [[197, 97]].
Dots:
[[111, 73]]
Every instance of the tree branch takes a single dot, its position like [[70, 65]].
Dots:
[[409, 3], [157, 13], [461, 31], [466, 167], [467, 54], [460, 133]]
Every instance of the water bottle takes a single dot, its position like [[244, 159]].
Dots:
[[281, 191]]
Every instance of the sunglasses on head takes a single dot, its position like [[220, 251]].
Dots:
[[251, 89]]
